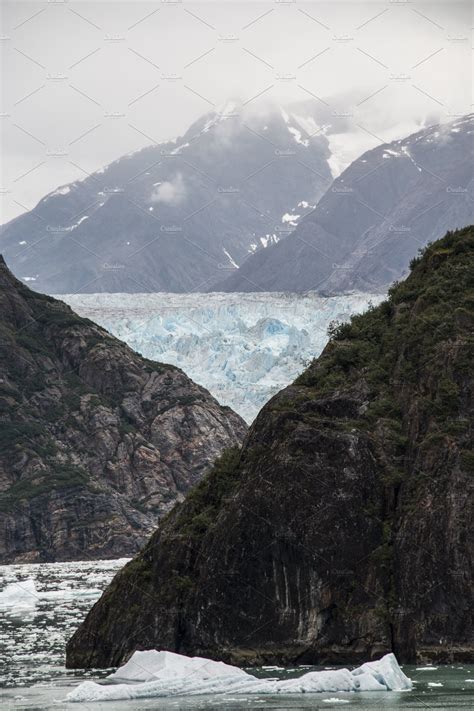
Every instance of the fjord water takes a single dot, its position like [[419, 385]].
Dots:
[[41, 605]]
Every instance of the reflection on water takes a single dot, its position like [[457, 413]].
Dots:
[[41, 606]]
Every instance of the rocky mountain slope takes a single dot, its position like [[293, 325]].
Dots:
[[96, 442], [342, 529], [175, 216], [375, 216]]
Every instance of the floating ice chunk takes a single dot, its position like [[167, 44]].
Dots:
[[19, 599], [435, 683], [22, 597], [68, 593], [426, 668], [271, 668], [21, 592], [317, 682], [151, 664], [335, 700], [152, 673], [368, 682], [386, 671]]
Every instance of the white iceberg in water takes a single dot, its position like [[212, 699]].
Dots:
[[19, 598], [161, 674], [150, 665]]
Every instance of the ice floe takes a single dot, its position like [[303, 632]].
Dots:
[[426, 668], [20, 598], [162, 674]]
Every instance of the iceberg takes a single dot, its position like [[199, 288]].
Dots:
[[150, 665], [19, 598], [155, 673]]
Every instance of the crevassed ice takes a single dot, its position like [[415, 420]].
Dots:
[[242, 347], [162, 674]]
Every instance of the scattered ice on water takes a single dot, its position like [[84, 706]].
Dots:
[[41, 605]]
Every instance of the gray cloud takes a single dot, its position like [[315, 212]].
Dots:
[[86, 82], [171, 192]]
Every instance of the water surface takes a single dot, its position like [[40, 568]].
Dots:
[[34, 631]]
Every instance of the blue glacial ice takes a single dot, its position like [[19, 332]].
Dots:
[[242, 347]]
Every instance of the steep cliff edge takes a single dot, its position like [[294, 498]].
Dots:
[[342, 530], [96, 442]]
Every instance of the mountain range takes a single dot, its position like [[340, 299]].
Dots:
[[96, 442], [176, 216], [375, 216], [245, 201]]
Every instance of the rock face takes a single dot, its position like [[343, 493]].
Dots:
[[96, 442], [375, 216], [343, 528], [175, 216]]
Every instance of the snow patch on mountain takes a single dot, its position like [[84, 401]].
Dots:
[[230, 258], [63, 190], [408, 155], [242, 347], [290, 219]]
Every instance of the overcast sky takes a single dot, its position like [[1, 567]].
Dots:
[[85, 82]]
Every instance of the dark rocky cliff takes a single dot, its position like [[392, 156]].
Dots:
[[96, 442], [343, 528]]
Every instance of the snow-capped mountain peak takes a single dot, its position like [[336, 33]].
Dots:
[[374, 218], [175, 216]]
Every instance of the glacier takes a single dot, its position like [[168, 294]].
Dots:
[[242, 347], [153, 673]]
